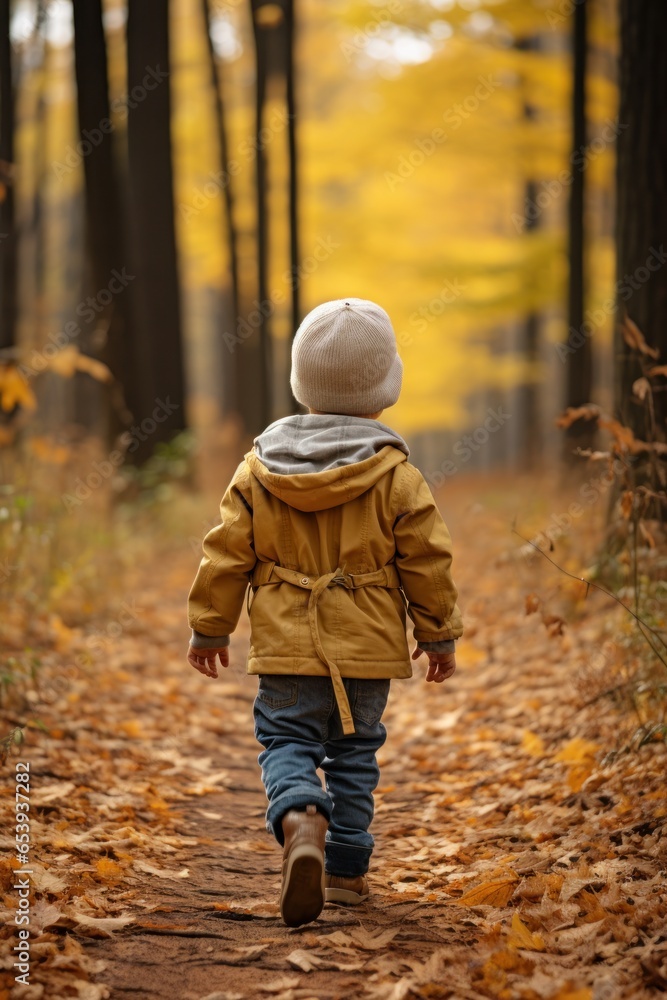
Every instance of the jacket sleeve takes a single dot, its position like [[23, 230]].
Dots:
[[216, 597], [423, 560]]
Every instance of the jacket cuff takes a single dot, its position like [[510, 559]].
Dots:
[[200, 641], [444, 646]]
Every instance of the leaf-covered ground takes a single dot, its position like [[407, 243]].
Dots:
[[519, 843]]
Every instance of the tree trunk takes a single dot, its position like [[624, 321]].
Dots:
[[579, 361], [641, 222], [273, 26], [233, 376], [104, 236], [530, 448], [157, 384], [8, 241], [264, 43], [290, 95]]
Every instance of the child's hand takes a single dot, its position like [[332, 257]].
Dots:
[[440, 665], [204, 660]]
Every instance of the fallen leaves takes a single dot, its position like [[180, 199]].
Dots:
[[308, 961], [495, 893], [513, 860], [143, 866], [521, 937]]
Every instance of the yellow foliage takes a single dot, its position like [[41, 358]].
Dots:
[[521, 937], [577, 751], [533, 743], [132, 728], [15, 390]]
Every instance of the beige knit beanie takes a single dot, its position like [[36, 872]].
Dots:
[[344, 359]]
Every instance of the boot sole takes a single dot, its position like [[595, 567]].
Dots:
[[302, 897], [344, 896]]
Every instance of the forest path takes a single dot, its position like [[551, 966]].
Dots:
[[510, 862]]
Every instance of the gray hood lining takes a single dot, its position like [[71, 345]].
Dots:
[[314, 442]]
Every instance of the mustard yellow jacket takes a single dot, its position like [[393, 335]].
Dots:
[[333, 560]]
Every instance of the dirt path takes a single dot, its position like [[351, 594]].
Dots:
[[511, 861]]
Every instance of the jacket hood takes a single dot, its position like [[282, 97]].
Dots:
[[315, 461]]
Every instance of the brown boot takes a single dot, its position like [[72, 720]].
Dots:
[[302, 896], [346, 890]]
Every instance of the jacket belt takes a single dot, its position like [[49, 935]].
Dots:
[[269, 572]]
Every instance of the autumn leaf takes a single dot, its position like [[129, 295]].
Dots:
[[554, 625], [521, 937], [99, 926], [577, 751], [308, 961], [532, 743], [496, 893], [373, 942], [14, 390], [623, 436], [588, 412], [143, 866], [634, 338], [532, 603], [108, 869], [279, 985]]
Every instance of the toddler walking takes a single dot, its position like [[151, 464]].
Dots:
[[337, 535]]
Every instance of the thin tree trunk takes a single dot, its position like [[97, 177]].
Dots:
[[262, 35], [579, 361], [290, 96], [530, 448], [216, 84], [8, 241], [231, 398], [157, 375], [104, 236]]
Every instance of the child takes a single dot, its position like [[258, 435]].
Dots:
[[337, 534]]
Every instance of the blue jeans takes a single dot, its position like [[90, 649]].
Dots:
[[297, 723]]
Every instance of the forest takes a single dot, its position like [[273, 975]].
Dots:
[[181, 183]]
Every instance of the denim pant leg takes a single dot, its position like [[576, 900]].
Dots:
[[352, 774], [291, 718]]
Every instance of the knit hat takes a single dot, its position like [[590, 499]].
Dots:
[[344, 359]]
